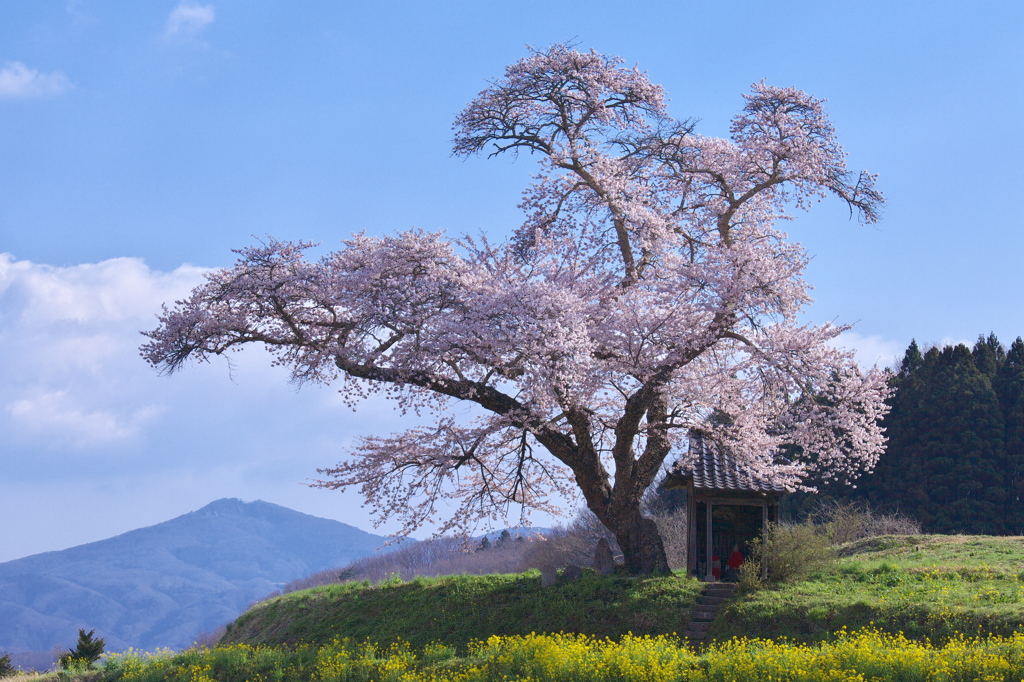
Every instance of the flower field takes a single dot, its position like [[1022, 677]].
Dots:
[[858, 656]]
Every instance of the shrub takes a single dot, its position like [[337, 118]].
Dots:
[[793, 551], [750, 575], [209, 639], [842, 522], [789, 551]]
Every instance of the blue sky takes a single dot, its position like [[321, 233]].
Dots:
[[141, 142]]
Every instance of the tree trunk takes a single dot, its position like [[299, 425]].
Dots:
[[619, 511], [641, 545]]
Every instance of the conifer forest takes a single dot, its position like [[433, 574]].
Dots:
[[955, 453]]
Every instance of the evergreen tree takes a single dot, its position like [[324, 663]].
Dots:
[[87, 651], [1010, 388], [6, 668], [946, 462], [912, 360], [898, 480], [659, 500], [989, 355], [960, 448]]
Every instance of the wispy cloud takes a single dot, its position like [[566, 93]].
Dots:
[[67, 422], [187, 20], [872, 350], [18, 81]]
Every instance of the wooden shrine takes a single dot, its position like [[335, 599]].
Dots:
[[726, 505]]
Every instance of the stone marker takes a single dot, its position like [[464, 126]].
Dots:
[[547, 575], [604, 563], [570, 573]]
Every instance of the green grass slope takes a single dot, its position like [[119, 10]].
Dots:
[[455, 610], [925, 586]]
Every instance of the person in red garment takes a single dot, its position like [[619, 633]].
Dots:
[[732, 565]]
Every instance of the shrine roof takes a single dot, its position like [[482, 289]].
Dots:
[[713, 470]]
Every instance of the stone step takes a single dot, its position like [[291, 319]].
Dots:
[[706, 610], [720, 596], [716, 589], [696, 643], [705, 613]]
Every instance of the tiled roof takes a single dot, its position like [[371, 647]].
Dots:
[[715, 470]]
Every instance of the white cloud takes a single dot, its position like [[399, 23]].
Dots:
[[67, 423], [70, 337], [188, 19], [950, 341], [18, 81], [114, 290], [872, 350]]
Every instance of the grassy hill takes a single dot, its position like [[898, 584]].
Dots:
[[454, 610], [925, 586]]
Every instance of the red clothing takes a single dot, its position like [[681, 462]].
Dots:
[[735, 560]]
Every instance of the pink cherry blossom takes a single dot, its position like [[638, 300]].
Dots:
[[647, 290]]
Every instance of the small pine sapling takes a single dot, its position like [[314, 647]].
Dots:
[[6, 668], [86, 652]]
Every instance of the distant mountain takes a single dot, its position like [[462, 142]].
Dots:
[[161, 586]]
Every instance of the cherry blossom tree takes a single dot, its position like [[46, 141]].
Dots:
[[648, 292]]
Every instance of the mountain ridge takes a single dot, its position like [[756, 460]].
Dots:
[[162, 585]]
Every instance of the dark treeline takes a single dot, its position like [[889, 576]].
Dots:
[[955, 458]]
